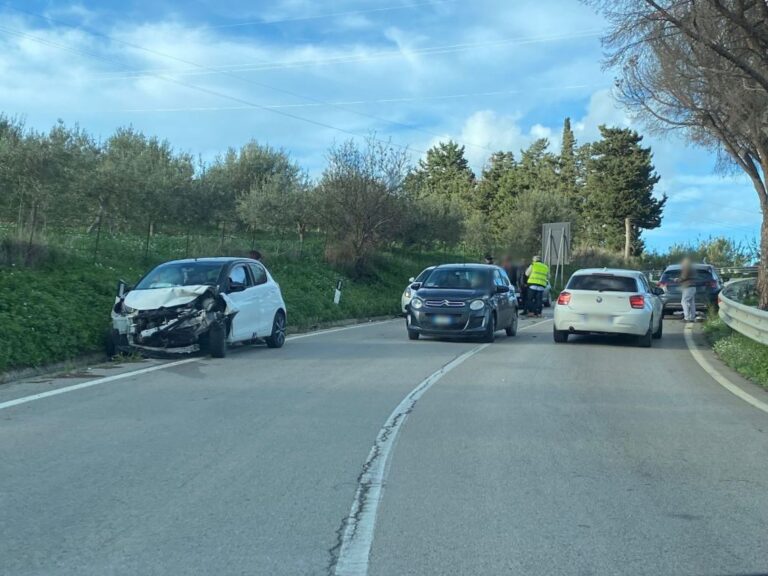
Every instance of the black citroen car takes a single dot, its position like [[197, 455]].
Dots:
[[461, 301]]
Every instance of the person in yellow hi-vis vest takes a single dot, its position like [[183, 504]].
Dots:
[[537, 278]]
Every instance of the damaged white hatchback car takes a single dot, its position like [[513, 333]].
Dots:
[[203, 304]]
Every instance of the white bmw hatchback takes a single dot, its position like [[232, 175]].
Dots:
[[609, 301]]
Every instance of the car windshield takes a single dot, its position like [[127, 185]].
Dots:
[[672, 273], [458, 278], [602, 283], [181, 274], [424, 273]]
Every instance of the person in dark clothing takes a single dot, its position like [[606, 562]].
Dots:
[[489, 258], [255, 255]]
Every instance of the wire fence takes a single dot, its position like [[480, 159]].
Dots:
[[157, 242]]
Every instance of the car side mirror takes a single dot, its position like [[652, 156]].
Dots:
[[236, 287], [122, 288], [411, 280], [415, 285], [502, 289]]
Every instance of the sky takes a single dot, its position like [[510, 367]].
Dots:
[[301, 74]]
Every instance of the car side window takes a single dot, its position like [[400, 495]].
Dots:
[[238, 277], [497, 279], [644, 283], [259, 274], [504, 278]]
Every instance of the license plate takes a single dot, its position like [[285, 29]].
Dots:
[[442, 320]]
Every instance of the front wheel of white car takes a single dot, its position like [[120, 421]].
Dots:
[[217, 340], [277, 338]]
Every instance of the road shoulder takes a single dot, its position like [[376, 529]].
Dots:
[[721, 373]]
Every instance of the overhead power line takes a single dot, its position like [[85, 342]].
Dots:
[[209, 69], [400, 100], [329, 15], [215, 93], [345, 59]]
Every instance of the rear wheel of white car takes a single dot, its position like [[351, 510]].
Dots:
[[657, 334], [217, 340], [277, 338], [644, 341], [560, 336]]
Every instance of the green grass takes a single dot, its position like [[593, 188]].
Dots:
[[747, 357], [59, 310]]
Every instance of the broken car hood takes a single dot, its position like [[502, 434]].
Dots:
[[155, 298]]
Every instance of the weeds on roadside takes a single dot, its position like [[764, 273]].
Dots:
[[747, 357]]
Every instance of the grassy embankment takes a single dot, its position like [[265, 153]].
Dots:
[[747, 357], [58, 309]]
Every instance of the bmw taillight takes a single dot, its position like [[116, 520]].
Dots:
[[637, 301], [564, 299]]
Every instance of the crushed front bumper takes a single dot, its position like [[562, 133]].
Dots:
[[161, 332]]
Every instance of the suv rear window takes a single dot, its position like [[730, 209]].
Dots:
[[702, 274], [602, 283]]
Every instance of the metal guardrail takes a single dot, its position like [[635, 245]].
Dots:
[[748, 320], [724, 272]]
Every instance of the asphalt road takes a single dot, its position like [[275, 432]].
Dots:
[[528, 458]]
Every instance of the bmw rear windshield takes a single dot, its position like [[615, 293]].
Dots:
[[602, 283], [458, 278], [702, 274]]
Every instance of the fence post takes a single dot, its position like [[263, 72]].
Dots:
[[146, 243], [98, 238]]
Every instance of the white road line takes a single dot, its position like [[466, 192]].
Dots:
[[340, 329], [357, 537], [33, 397], [717, 375], [124, 375]]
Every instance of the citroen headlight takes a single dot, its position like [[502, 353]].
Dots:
[[476, 305], [417, 303]]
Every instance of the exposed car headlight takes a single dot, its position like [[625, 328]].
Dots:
[[417, 303], [476, 305], [128, 309]]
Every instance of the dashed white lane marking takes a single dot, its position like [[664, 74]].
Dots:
[[717, 375], [358, 530], [106, 380], [124, 375]]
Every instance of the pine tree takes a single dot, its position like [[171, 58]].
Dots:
[[444, 172], [568, 166], [620, 182]]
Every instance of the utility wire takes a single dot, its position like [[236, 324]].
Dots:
[[216, 93], [329, 15], [344, 59], [250, 81], [400, 100]]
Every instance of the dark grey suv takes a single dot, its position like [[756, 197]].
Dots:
[[708, 286], [463, 300]]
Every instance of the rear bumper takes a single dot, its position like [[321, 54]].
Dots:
[[703, 301], [635, 323]]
